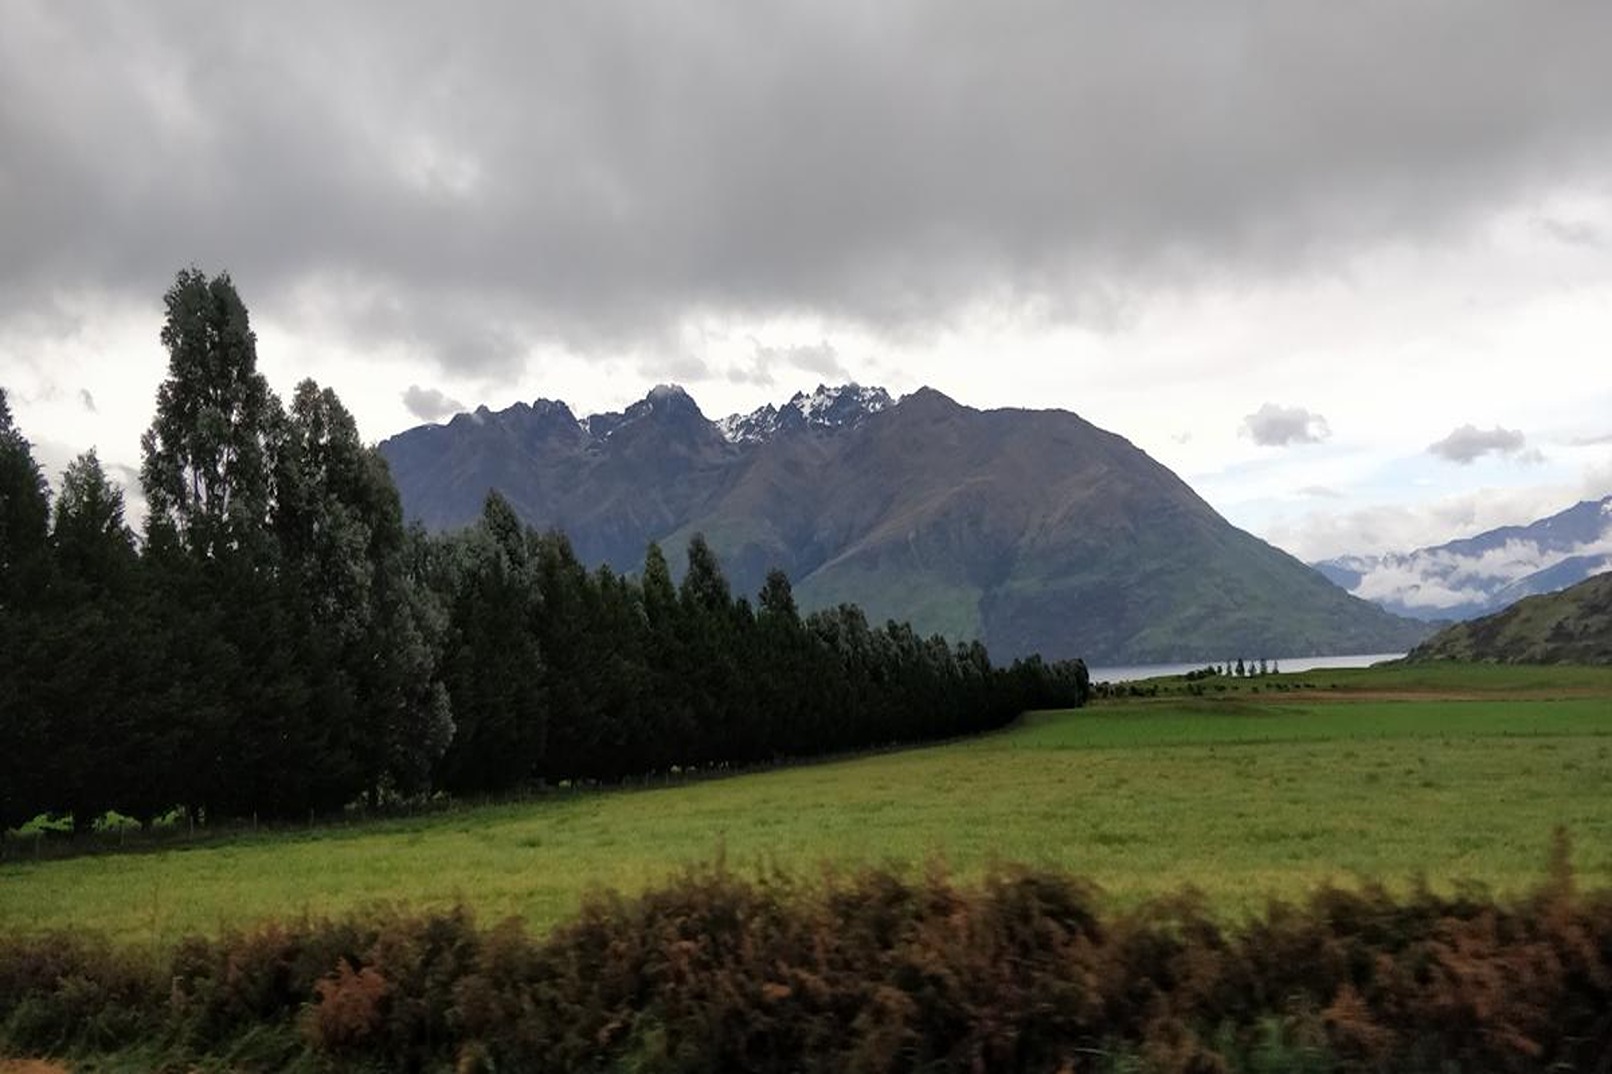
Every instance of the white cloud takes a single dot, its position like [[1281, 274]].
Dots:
[[1378, 528], [1442, 578]]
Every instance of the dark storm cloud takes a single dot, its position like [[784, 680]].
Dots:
[[429, 404], [474, 181], [1470, 443], [1278, 426]]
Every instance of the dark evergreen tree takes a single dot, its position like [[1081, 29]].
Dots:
[[492, 664], [207, 455], [374, 667], [709, 671], [94, 701], [777, 598], [24, 513], [24, 561], [666, 654], [249, 742]]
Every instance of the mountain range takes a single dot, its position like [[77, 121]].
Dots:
[[1478, 575], [1031, 529]]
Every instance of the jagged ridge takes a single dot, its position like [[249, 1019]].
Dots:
[[1033, 530], [826, 408]]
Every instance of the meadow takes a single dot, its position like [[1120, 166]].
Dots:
[[1267, 788]]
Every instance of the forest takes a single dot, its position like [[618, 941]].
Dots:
[[276, 641]]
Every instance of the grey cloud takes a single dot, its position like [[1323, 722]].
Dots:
[[1320, 492], [1469, 443], [1574, 233], [1278, 426], [821, 359], [429, 404], [585, 174], [87, 399], [680, 368], [751, 373]]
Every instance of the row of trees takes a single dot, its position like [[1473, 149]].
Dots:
[[280, 642], [1240, 670]]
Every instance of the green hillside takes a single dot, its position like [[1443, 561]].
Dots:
[[1573, 626]]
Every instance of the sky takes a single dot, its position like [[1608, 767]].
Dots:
[[1347, 269]]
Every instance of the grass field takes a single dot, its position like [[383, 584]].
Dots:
[[1451, 773]]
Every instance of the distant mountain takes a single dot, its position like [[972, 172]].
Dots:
[[1479, 575], [1573, 626], [1033, 530]]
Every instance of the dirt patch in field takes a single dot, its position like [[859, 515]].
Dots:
[[31, 1066], [1324, 694]]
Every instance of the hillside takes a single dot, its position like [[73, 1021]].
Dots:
[[1573, 626], [1034, 530], [1481, 574]]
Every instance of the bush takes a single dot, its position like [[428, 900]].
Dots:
[[872, 972]]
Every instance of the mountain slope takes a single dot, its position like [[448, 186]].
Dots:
[[1478, 575], [1573, 626], [1032, 529]]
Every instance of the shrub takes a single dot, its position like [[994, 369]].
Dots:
[[873, 972]]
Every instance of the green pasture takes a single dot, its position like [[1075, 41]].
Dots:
[[1447, 773]]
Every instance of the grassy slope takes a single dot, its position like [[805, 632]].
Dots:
[[1241, 795], [1573, 625]]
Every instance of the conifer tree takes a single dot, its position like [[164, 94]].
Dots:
[[95, 700], [24, 533], [207, 456]]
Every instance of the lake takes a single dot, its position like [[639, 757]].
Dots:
[[1134, 672]]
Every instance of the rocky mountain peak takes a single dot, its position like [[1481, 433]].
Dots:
[[665, 404], [840, 407]]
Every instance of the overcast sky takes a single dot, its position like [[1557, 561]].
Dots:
[[1346, 268]]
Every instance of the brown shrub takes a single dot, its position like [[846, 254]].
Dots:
[[874, 972], [351, 1010]]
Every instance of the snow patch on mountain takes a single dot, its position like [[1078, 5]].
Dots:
[[825, 408]]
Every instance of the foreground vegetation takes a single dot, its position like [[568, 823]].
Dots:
[[1452, 774], [381, 947], [875, 972]]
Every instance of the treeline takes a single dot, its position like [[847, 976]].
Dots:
[[876, 972], [278, 642]]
